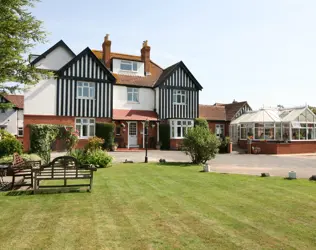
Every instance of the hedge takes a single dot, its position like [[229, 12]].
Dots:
[[164, 136], [106, 132], [9, 146]]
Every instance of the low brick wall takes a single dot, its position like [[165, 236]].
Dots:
[[175, 144], [296, 147]]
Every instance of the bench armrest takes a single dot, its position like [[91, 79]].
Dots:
[[89, 167]]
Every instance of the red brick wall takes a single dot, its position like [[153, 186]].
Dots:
[[57, 120], [282, 148], [175, 143], [212, 125]]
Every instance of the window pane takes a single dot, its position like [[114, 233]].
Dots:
[[243, 133], [179, 123], [183, 131], [130, 97], [184, 123], [126, 66], [91, 120], [129, 90], [84, 130], [85, 121], [85, 84], [183, 99], [85, 92], [78, 121], [295, 133], [134, 66], [172, 132], [79, 83], [91, 131], [79, 92], [92, 92], [135, 99], [78, 129], [189, 123], [303, 134], [178, 131], [269, 133], [259, 133], [118, 130], [178, 98]]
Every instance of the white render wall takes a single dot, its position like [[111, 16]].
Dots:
[[146, 99], [55, 59], [10, 120], [41, 98], [116, 68], [157, 100]]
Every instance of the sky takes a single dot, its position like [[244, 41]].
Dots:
[[263, 52]]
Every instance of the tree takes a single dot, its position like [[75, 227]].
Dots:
[[19, 32], [200, 144], [201, 122]]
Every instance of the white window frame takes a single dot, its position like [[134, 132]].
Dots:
[[222, 128], [182, 94], [134, 92], [85, 85], [20, 129], [185, 125], [132, 64], [89, 122]]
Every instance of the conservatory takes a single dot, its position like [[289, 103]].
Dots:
[[276, 131]]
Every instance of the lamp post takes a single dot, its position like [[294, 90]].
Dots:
[[146, 139]]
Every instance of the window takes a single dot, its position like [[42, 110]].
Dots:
[[180, 127], [85, 90], [118, 130], [219, 130], [179, 96], [132, 95], [85, 127], [20, 131], [128, 66]]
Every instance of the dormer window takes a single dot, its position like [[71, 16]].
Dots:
[[128, 66]]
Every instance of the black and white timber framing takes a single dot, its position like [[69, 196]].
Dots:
[[85, 67], [178, 77]]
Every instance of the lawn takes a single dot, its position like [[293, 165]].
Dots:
[[139, 206]]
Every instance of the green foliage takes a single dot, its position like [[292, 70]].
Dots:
[[201, 122], [98, 158], [200, 144], [9, 146], [42, 137], [164, 136], [94, 143], [71, 137], [106, 132], [27, 157], [223, 148], [6, 135], [20, 31]]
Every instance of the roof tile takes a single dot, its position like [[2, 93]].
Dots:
[[134, 115], [16, 100]]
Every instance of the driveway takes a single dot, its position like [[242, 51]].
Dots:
[[276, 165]]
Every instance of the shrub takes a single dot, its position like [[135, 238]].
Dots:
[[164, 136], [27, 157], [106, 132], [223, 148], [201, 122], [42, 136], [9, 146], [71, 137], [200, 144], [98, 157], [6, 135], [94, 143]]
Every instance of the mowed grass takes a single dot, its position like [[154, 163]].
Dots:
[[139, 206]]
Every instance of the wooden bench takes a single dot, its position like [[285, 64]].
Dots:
[[63, 168], [21, 168]]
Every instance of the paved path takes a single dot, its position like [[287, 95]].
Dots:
[[276, 165]]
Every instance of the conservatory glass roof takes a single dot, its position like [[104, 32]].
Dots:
[[276, 115]]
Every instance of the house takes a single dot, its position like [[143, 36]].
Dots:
[[12, 119], [104, 86], [220, 115]]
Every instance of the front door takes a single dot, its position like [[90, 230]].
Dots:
[[132, 134]]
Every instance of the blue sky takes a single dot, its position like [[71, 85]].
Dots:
[[260, 51]]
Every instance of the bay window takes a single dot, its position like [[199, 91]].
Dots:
[[178, 128], [85, 127]]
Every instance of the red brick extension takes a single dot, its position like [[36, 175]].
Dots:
[[296, 147], [58, 120]]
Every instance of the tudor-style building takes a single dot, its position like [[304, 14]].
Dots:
[[100, 85]]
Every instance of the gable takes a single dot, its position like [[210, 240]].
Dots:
[[178, 76], [87, 66], [55, 57]]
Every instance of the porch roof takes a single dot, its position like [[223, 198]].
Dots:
[[134, 115]]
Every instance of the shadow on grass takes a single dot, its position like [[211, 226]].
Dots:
[[177, 164], [19, 192], [46, 191]]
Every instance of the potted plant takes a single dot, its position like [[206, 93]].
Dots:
[[114, 146], [158, 145]]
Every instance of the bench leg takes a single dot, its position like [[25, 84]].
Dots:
[[13, 180], [91, 182]]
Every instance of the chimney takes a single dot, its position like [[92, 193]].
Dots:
[[106, 50], [145, 56]]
